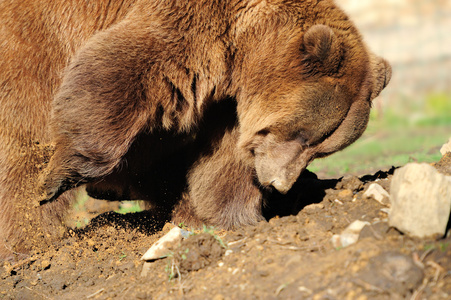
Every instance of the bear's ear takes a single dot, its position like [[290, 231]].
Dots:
[[382, 74], [321, 49]]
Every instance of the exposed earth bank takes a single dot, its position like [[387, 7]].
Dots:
[[291, 256]]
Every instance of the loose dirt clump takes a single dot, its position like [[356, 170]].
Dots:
[[197, 252], [291, 256]]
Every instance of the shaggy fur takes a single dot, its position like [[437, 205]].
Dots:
[[126, 96]]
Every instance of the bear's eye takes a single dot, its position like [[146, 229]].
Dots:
[[263, 132], [305, 138], [302, 140]]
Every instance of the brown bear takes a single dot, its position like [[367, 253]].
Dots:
[[202, 106]]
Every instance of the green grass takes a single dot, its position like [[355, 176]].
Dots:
[[394, 138], [131, 207], [80, 218], [81, 197]]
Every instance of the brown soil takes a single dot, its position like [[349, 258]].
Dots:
[[289, 257]]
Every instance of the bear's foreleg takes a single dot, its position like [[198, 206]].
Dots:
[[222, 191], [106, 99]]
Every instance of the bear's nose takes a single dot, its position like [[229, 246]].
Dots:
[[282, 185]]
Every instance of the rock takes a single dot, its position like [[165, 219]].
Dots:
[[392, 272], [376, 230], [162, 247], [313, 208], [350, 235], [378, 193], [446, 148], [45, 264], [420, 200], [345, 195], [350, 182]]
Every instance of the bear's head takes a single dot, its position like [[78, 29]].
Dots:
[[314, 99]]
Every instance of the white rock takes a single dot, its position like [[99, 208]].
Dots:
[[161, 248], [350, 235], [446, 148], [420, 200], [378, 193]]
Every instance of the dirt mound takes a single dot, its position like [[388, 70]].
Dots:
[[289, 257]]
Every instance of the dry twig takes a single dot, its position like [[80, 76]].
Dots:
[[95, 294]]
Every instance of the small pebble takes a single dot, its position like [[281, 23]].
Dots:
[[378, 193], [350, 235]]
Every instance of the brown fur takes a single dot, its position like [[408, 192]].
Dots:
[[118, 94]]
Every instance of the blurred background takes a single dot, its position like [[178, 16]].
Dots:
[[411, 119]]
